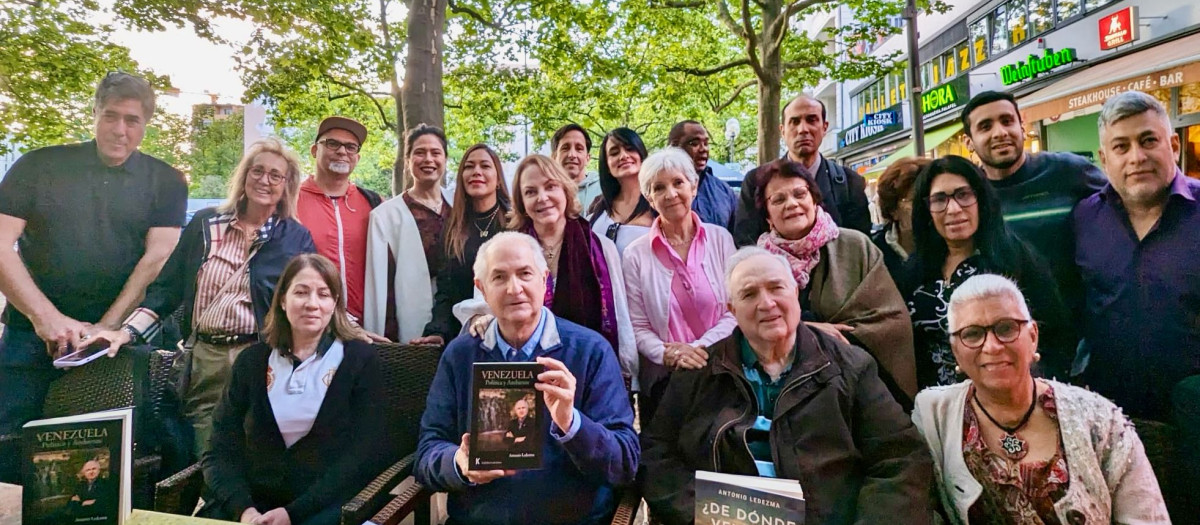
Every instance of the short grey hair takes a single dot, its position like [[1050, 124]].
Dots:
[[481, 259], [984, 286], [670, 158], [122, 86], [747, 252], [1128, 104]]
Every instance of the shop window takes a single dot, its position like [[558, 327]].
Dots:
[[1191, 151], [979, 41], [1095, 4], [950, 64], [963, 53], [999, 31], [1018, 22], [1068, 9], [1041, 16], [1189, 99]]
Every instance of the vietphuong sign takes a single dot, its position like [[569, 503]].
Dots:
[[1034, 65]]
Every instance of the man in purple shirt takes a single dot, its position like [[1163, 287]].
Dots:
[[1139, 255]]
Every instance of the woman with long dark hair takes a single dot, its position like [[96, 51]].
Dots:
[[621, 212], [959, 231], [481, 206]]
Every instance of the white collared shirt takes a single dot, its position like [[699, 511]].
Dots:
[[296, 391]]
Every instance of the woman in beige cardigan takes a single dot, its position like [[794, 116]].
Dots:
[[1011, 449], [845, 288]]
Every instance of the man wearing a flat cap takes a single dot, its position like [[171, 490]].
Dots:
[[335, 210]]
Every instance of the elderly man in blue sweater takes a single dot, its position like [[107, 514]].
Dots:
[[591, 448]]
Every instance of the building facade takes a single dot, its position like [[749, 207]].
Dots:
[[1061, 59]]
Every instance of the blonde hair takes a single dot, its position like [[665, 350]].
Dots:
[[235, 202], [553, 171]]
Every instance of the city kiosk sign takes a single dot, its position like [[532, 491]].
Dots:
[[874, 124], [1034, 65]]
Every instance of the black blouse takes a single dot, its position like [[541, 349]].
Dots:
[[456, 281]]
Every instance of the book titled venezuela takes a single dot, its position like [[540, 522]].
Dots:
[[508, 423], [728, 499], [77, 469]]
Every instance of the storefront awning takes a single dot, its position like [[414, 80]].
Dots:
[[933, 139], [1164, 65]]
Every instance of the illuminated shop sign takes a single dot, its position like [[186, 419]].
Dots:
[[1119, 28], [1035, 65], [946, 97], [872, 125]]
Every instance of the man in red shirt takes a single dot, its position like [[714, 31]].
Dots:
[[336, 211]]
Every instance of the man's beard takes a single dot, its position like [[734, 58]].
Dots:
[[340, 167], [1004, 164]]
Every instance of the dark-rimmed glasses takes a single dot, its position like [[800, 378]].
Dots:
[[274, 178], [1006, 331], [335, 144], [938, 202]]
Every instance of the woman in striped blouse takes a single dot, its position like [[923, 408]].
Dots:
[[222, 275]]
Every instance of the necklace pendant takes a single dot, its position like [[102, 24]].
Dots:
[[483, 233], [1014, 447]]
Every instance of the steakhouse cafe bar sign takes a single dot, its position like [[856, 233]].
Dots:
[[872, 125], [1034, 65]]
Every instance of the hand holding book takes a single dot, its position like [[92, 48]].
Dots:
[[557, 385], [477, 477]]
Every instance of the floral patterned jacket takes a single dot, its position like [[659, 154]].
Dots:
[[1110, 477]]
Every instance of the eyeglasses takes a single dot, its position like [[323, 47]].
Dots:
[[1006, 330], [335, 144], [611, 232], [780, 198], [938, 202], [274, 178]]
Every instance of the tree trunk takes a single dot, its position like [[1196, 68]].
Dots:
[[421, 97], [770, 83]]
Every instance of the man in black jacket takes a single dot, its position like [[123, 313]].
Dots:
[[803, 129], [779, 399]]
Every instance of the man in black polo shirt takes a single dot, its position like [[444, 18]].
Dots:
[[95, 222], [844, 191], [1037, 190]]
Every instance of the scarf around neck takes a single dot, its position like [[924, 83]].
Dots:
[[585, 279], [803, 254]]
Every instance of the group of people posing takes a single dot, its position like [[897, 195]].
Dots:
[[930, 369]]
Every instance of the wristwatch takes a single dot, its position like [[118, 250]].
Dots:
[[134, 336]]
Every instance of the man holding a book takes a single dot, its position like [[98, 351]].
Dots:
[[589, 447], [781, 400]]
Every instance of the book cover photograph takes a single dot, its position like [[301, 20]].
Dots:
[[730, 499], [508, 423], [76, 470]]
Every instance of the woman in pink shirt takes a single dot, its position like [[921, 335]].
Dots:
[[675, 278]]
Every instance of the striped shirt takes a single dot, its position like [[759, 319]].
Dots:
[[226, 250]]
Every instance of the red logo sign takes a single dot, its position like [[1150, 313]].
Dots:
[[1119, 28]]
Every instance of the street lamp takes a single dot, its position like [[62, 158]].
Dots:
[[732, 129]]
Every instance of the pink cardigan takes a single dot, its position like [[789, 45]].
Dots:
[[648, 288]]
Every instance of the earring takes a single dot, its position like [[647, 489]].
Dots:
[[1037, 357], [957, 369]]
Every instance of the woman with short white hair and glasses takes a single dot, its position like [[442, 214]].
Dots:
[[1009, 448], [674, 279]]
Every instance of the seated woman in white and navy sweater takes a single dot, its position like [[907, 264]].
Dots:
[[297, 433]]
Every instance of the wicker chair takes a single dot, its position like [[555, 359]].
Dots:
[[108, 384], [407, 373]]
